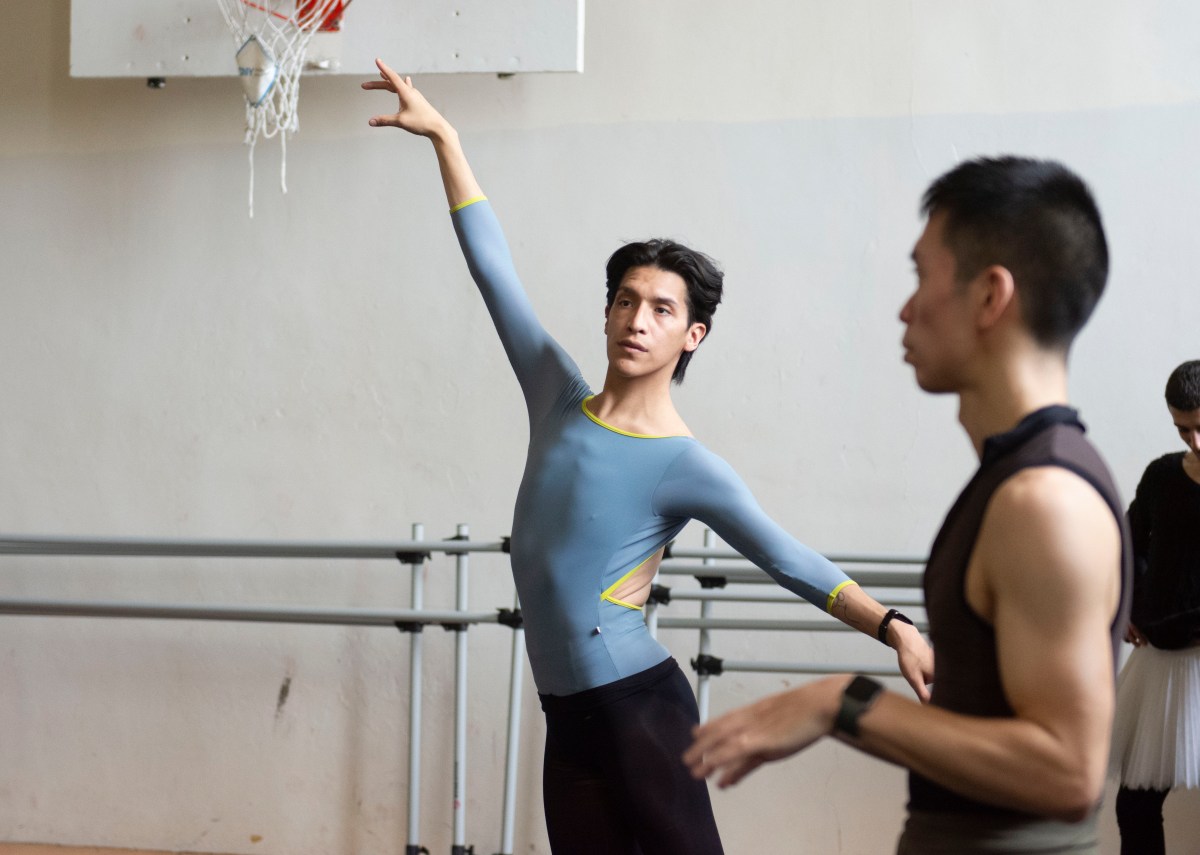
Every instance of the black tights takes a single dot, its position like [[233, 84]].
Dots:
[[613, 781], [1139, 816]]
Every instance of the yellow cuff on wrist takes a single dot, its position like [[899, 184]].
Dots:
[[470, 201]]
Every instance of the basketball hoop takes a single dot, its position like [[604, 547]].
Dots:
[[332, 20], [271, 38]]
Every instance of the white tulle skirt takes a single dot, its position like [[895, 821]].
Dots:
[[1156, 732]]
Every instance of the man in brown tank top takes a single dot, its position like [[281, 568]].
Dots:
[[1027, 581]]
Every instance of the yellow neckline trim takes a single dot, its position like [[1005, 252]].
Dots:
[[606, 426], [470, 201]]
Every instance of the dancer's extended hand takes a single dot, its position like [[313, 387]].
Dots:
[[415, 115]]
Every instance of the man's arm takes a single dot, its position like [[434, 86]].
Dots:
[[540, 364], [702, 486], [856, 608], [1046, 574]]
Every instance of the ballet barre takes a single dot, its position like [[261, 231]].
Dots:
[[898, 577]]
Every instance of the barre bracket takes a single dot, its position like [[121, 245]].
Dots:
[[511, 618], [708, 666], [457, 537], [413, 557]]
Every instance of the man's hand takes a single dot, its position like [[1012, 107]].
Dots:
[[769, 729], [859, 610], [1134, 636], [914, 655], [415, 115]]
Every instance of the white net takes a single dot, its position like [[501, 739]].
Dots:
[[271, 38]]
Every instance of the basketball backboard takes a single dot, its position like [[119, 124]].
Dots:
[[188, 38]]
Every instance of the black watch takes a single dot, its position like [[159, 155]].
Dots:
[[856, 700], [893, 614]]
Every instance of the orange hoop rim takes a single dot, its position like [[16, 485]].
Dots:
[[330, 23]]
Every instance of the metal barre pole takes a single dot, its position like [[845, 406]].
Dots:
[[748, 573], [89, 546], [650, 610], [414, 709], [16, 544], [806, 668], [512, 748], [249, 614], [836, 557], [825, 625], [460, 703], [703, 689], [782, 597]]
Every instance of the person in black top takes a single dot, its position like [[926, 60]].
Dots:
[[1156, 735]]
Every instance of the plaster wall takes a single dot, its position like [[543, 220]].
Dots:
[[169, 367]]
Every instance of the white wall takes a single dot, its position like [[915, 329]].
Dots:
[[325, 371]]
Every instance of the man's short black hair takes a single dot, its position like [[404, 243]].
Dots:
[[700, 273], [1038, 220], [1183, 387]]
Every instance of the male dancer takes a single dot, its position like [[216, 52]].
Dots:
[[1026, 582], [609, 480]]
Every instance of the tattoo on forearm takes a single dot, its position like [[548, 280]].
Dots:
[[840, 608]]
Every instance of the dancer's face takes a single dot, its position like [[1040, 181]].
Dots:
[[1188, 424], [939, 327], [647, 324]]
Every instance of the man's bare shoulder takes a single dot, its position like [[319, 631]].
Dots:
[[1045, 492], [1048, 531]]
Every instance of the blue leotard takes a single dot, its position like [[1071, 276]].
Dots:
[[596, 502]]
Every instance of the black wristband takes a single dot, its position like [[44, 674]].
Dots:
[[856, 700], [892, 615]]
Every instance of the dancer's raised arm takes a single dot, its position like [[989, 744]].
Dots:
[[541, 365]]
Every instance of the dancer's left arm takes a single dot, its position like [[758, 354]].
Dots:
[[702, 486]]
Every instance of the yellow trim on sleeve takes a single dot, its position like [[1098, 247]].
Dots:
[[829, 601], [470, 201], [607, 596]]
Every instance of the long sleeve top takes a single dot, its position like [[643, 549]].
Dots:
[[1164, 519], [596, 502]]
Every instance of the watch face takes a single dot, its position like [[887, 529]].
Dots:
[[858, 697], [863, 688]]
